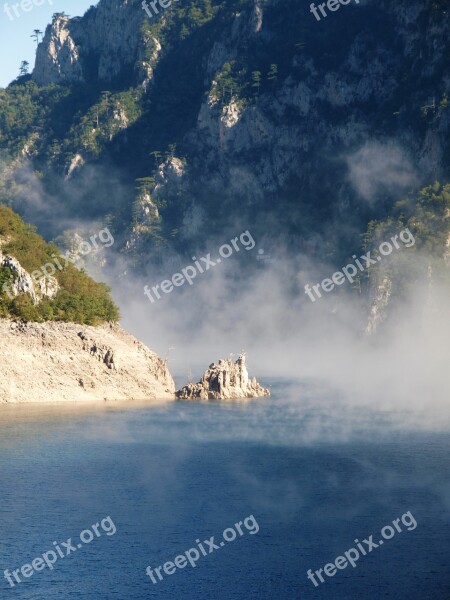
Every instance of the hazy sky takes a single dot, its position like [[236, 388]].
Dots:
[[15, 42]]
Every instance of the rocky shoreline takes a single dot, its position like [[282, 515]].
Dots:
[[66, 362], [56, 362]]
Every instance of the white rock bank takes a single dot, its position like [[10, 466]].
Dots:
[[57, 362]]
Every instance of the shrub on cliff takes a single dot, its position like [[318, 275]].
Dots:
[[80, 299]]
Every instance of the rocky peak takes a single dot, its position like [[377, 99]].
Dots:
[[57, 57], [169, 175], [101, 45]]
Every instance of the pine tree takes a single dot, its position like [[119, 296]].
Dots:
[[157, 155], [145, 184], [24, 68], [136, 211], [272, 75], [35, 36], [256, 81], [106, 97], [171, 151]]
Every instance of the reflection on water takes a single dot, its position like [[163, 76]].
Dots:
[[315, 473]]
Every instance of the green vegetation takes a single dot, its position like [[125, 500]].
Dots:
[[427, 216], [131, 127], [80, 299], [84, 118], [128, 126]]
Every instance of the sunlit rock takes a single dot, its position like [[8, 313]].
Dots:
[[224, 380]]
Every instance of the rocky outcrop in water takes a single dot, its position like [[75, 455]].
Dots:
[[224, 380]]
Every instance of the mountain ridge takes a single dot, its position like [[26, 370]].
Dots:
[[214, 115]]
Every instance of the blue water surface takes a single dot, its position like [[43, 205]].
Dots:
[[315, 477]]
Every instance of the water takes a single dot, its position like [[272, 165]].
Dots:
[[314, 475]]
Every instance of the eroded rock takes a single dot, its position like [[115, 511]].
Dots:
[[224, 380]]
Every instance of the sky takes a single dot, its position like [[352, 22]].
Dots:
[[15, 41]]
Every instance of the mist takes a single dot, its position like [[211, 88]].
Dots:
[[264, 312], [381, 168], [254, 301]]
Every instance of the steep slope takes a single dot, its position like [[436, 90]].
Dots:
[[213, 115], [426, 265], [102, 45], [44, 355], [63, 362], [267, 109]]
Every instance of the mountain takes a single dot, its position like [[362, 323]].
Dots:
[[212, 115]]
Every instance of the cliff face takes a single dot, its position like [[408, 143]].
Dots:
[[381, 295], [100, 45], [247, 111], [359, 86], [22, 282], [58, 58], [275, 100], [64, 362]]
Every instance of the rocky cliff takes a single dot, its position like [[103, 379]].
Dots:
[[224, 380], [213, 114], [101, 45], [64, 362], [21, 281], [273, 111]]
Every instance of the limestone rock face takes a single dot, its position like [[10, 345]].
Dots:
[[378, 310], [169, 175], [447, 246], [224, 380], [22, 282], [339, 97], [57, 362], [57, 57], [107, 36]]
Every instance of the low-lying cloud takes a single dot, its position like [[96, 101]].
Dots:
[[379, 168]]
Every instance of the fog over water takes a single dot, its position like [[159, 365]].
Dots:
[[255, 300], [286, 335]]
